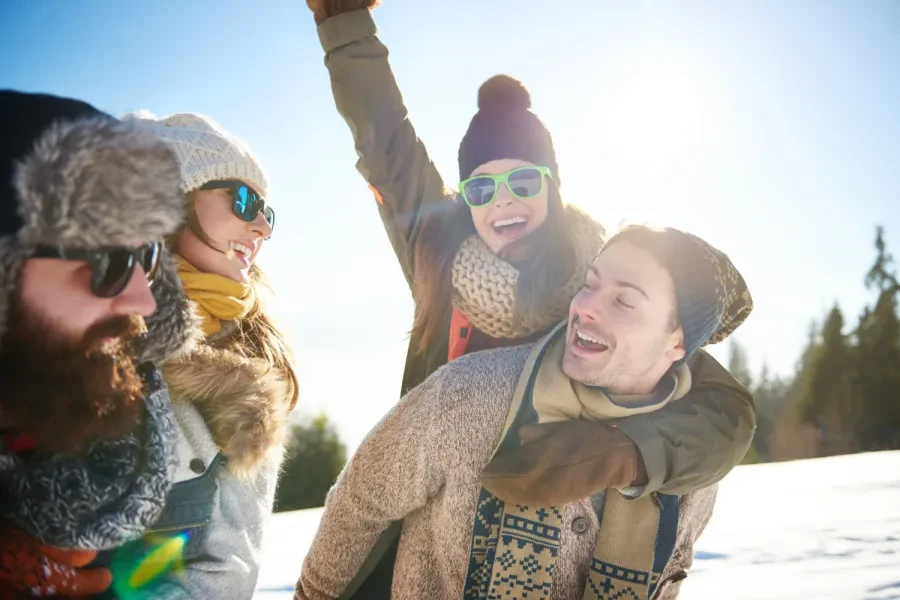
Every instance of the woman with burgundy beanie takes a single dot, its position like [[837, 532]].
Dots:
[[497, 261]]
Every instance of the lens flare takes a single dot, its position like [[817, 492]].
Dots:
[[139, 565]]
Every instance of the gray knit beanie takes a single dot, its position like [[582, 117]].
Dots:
[[711, 295]]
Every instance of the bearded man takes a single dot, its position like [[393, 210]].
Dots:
[[87, 442]]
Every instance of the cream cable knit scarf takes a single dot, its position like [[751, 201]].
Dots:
[[484, 285]]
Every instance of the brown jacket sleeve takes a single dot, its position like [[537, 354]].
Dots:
[[696, 441], [392, 159]]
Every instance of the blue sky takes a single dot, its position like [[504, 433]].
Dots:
[[769, 128]]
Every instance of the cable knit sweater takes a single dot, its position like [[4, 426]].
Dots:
[[422, 463]]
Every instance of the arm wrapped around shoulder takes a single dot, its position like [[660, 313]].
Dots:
[[563, 462]]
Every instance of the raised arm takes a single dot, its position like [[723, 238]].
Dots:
[[392, 159]]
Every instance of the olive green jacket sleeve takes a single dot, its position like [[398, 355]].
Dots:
[[392, 159], [696, 441]]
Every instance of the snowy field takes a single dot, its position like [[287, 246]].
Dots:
[[827, 529]]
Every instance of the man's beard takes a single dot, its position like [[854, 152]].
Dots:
[[66, 392]]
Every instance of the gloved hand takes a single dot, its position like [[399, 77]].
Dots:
[[563, 462], [31, 569], [325, 9]]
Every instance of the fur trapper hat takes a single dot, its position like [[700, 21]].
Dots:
[[73, 176]]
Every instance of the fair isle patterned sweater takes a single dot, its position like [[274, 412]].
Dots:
[[422, 463]]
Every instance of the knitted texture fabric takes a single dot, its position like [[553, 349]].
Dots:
[[29, 569], [711, 295], [484, 285], [216, 298], [103, 499], [514, 548], [422, 463], [559, 398], [504, 127], [205, 151]]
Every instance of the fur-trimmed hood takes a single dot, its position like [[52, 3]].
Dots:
[[245, 402]]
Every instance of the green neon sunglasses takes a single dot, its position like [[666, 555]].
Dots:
[[523, 183]]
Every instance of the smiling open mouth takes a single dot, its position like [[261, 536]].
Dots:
[[582, 340], [510, 227], [239, 249]]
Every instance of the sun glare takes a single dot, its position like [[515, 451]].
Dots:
[[656, 120]]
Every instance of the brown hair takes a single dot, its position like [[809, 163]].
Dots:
[[258, 331], [545, 260], [653, 241]]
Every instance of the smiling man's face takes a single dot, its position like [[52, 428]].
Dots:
[[623, 332]]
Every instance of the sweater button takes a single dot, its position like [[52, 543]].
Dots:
[[198, 467], [580, 525]]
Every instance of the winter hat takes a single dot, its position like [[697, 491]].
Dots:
[[205, 151], [505, 127], [73, 176], [711, 295], [20, 119]]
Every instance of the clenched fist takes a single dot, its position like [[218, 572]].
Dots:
[[325, 9]]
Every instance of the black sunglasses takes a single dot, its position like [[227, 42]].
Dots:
[[111, 266], [246, 203]]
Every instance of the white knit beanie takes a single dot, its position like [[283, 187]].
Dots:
[[205, 151]]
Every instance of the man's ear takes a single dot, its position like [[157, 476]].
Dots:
[[675, 350]]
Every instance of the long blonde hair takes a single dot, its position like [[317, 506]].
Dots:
[[257, 331]]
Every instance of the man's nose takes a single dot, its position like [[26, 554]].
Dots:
[[136, 298], [589, 306]]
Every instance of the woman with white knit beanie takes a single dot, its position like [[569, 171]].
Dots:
[[233, 395]]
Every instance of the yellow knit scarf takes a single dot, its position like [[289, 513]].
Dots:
[[217, 298]]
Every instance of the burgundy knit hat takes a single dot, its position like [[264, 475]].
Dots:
[[505, 127]]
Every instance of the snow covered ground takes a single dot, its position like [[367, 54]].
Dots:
[[827, 529]]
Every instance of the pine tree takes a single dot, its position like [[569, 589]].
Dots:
[[792, 438], [801, 387], [829, 401], [882, 276], [739, 364], [770, 394], [314, 459], [879, 356]]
